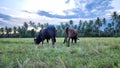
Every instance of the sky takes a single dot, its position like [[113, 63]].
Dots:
[[16, 12]]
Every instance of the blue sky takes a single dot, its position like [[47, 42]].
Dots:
[[15, 12]]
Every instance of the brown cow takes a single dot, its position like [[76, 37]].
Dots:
[[70, 33]]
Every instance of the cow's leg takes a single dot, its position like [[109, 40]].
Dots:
[[72, 40], [64, 40], [53, 41], [47, 40], [75, 40], [42, 42], [68, 42]]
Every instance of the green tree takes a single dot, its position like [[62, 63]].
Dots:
[[24, 28], [83, 28], [20, 31], [6, 31], [115, 21], [109, 29], [59, 31], [75, 26], [71, 23], [9, 32], [46, 24], [89, 28], [79, 28], [62, 25], [39, 24], [98, 25], [32, 33], [32, 24], [118, 26], [2, 32], [15, 31], [104, 21], [104, 26], [25, 25], [67, 24]]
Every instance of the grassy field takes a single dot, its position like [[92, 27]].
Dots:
[[87, 53]]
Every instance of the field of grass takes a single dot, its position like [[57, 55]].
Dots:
[[87, 53]]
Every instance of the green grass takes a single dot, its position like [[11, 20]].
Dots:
[[87, 53]]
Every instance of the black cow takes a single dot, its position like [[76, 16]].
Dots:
[[47, 33]]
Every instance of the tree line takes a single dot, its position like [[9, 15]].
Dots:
[[92, 28]]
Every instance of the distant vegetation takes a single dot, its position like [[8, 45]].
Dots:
[[91, 28]]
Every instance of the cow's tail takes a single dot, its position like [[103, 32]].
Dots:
[[67, 30]]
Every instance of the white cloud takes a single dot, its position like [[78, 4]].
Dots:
[[115, 4], [1, 19], [58, 7], [53, 6]]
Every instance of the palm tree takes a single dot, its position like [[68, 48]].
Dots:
[[25, 25], [67, 25], [6, 31], [109, 29], [71, 23], [83, 28], [79, 27], [19, 31], [115, 21], [98, 25], [32, 33], [39, 25], [46, 24], [9, 31], [32, 24], [62, 26], [104, 21], [114, 16], [91, 23], [119, 24], [104, 25], [14, 30], [59, 31], [2, 30]]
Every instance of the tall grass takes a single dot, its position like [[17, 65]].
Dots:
[[87, 53]]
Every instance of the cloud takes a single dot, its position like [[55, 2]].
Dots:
[[92, 8], [99, 6], [27, 11], [67, 1], [83, 9], [4, 23], [47, 14], [5, 17]]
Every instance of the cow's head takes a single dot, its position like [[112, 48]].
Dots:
[[37, 40]]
